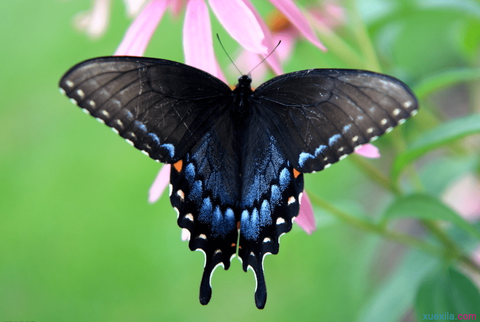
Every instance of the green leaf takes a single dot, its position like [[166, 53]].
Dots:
[[396, 295], [423, 206], [445, 79], [441, 135], [439, 173], [469, 7], [446, 292]]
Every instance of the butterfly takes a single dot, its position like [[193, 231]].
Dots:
[[238, 156]]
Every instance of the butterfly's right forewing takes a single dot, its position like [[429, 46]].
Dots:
[[320, 116]]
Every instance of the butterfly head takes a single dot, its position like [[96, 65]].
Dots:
[[242, 94], [244, 82]]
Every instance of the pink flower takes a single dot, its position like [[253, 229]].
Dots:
[[464, 197], [238, 18], [306, 216], [368, 151], [95, 21], [141, 30], [327, 16], [159, 184], [297, 18], [133, 6], [288, 24]]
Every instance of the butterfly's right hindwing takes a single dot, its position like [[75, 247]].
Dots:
[[162, 107]]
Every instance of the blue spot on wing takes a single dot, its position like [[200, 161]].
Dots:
[[217, 217], [170, 148], [128, 115], [285, 178], [334, 139], [140, 126], [249, 224], [220, 223], [346, 128], [196, 191], [304, 157], [320, 149], [276, 195], [206, 210], [154, 138], [190, 172], [265, 214], [230, 215]]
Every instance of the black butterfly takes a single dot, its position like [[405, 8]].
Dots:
[[238, 156]]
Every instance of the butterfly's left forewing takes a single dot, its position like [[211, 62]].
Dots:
[[320, 116], [180, 115]]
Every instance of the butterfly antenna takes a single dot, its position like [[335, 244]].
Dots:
[[218, 37], [279, 42]]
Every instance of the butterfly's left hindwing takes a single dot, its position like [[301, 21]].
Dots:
[[205, 189], [162, 107]]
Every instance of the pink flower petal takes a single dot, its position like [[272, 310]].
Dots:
[[285, 49], [368, 151], [141, 30], [476, 255], [133, 6], [185, 234], [159, 184], [246, 61], [241, 24], [306, 217], [197, 37], [268, 41], [464, 197], [94, 21], [176, 7], [330, 15], [296, 17]]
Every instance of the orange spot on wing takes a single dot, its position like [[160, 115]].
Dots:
[[178, 165], [296, 173], [233, 245]]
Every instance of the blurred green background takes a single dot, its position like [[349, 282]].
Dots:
[[78, 240]]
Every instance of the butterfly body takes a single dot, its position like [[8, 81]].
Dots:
[[238, 156]]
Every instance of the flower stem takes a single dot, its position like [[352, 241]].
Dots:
[[450, 250], [375, 174]]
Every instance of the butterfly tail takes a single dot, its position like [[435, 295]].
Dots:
[[211, 263]]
